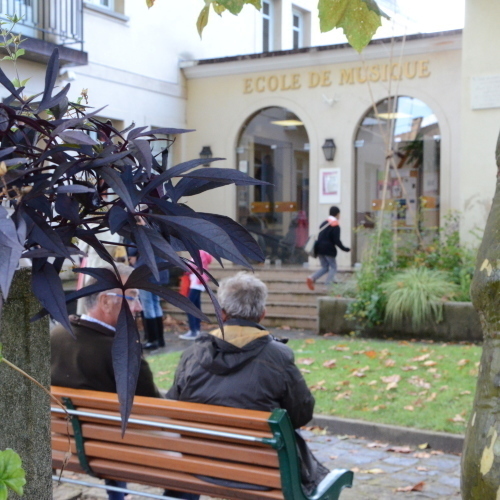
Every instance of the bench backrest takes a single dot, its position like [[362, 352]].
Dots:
[[190, 447]]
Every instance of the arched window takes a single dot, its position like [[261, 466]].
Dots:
[[274, 147], [397, 158]]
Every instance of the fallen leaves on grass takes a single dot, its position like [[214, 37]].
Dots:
[[389, 363], [379, 407], [331, 363], [408, 368], [340, 348], [343, 395], [430, 363], [419, 382], [432, 397], [320, 386], [409, 408], [359, 372], [305, 361], [370, 354], [391, 381], [463, 362], [458, 419], [421, 358], [415, 487], [305, 370]]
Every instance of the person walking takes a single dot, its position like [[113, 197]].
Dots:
[[195, 289], [326, 249]]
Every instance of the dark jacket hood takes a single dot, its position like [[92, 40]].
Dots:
[[220, 357]]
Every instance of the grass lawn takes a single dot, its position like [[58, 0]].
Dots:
[[413, 384]]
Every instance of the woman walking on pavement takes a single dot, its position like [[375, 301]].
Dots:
[[325, 249]]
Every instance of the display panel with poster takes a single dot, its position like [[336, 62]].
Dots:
[[329, 182]]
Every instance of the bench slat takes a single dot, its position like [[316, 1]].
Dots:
[[174, 442], [164, 420], [210, 414], [162, 479]]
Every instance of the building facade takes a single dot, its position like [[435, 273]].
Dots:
[[409, 126]]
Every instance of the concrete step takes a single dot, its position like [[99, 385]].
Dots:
[[306, 322], [275, 307]]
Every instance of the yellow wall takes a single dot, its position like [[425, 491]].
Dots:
[[219, 105], [480, 127]]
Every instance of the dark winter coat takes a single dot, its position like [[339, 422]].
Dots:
[[329, 239], [249, 370], [85, 362]]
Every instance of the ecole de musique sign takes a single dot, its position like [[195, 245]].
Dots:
[[350, 76]]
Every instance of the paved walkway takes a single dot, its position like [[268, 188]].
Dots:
[[378, 471]]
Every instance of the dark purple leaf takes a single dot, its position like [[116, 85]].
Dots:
[[117, 218], [7, 151], [126, 353], [41, 233], [108, 159], [242, 239], [175, 172], [163, 248], [50, 78], [225, 174], [115, 182], [73, 122], [206, 235], [165, 131], [74, 188], [48, 289], [145, 249], [90, 238], [191, 187], [54, 101], [68, 207], [4, 80], [103, 276], [77, 137], [135, 132], [10, 251], [144, 155], [42, 253]]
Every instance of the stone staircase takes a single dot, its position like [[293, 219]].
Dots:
[[289, 304]]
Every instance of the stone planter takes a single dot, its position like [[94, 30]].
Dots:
[[460, 323]]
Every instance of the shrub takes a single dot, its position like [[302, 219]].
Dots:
[[417, 295]]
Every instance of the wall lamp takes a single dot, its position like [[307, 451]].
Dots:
[[329, 149], [206, 153]]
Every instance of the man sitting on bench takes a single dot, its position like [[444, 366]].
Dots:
[[245, 367], [85, 362]]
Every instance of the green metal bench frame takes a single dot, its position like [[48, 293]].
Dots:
[[283, 442]]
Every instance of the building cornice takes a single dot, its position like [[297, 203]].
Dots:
[[323, 55]]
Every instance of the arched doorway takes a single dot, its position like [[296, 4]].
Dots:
[[405, 175], [274, 147]]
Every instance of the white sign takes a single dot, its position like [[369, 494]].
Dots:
[[485, 92], [329, 185]]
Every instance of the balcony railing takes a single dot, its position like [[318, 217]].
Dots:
[[55, 21]]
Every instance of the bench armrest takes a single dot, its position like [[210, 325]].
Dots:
[[332, 485]]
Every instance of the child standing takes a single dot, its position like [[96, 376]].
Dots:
[[195, 289]]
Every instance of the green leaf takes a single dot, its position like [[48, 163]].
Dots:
[[235, 6], [24, 82], [7, 58], [331, 13], [358, 21], [16, 83], [150, 3], [12, 475], [203, 19], [20, 52], [218, 8], [371, 4]]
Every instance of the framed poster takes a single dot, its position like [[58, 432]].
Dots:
[[329, 185]]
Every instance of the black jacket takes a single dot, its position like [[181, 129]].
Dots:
[[85, 362], [328, 240], [249, 370]]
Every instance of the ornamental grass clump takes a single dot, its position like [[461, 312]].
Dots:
[[417, 295]]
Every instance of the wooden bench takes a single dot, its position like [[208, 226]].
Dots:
[[196, 448]]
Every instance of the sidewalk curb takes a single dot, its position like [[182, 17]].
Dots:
[[449, 443]]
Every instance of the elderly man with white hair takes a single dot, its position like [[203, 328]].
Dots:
[[246, 367], [84, 361]]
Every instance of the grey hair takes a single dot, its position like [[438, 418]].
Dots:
[[125, 271], [243, 296]]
